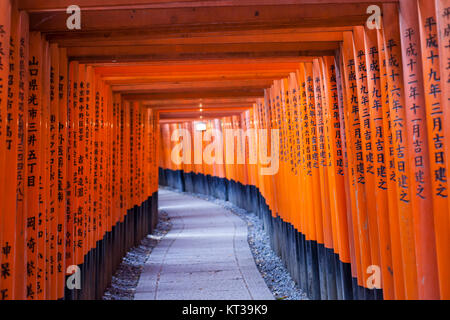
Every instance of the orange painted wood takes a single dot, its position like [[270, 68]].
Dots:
[[62, 177], [418, 148], [361, 116], [53, 216], [81, 168], [9, 176], [90, 177], [398, 123], [44, 190], [337, 173], [365, 136], [273, 125], [329, 235], [5, 23], [33, 161], [442, 20], [397, 260], [326, 155], [61, 5], [115, 161], [306, 160], [296, 145], [434, 87], [73, 167], [356, 161], [278, 124], [322, 154], [269, 16], [268, 125], [341, 98], [316, 194], [72, 123], [141, 37], [378, 141], [21, 212]]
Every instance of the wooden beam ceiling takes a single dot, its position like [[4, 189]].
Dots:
[[61, 5], [189, 119], [204, 110], [209, 18], [187, 85], [212, 108], [196, 115], [196, 94], [174, 56], [195, 103], [189, 68], [144, 37]]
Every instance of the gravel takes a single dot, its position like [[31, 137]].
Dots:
[[125, 281], [271, 267]]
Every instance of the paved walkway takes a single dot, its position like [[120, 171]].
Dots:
[[205, 256]]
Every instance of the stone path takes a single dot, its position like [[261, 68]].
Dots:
[[205, 256]]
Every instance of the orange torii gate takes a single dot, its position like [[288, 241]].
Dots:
[[350, 138], [66, 209], [375, 119]]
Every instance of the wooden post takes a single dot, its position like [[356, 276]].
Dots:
[[434, 88], [8, 244], [400, 142], [62, 177], [378, 141], [356, 163], [22, 204]]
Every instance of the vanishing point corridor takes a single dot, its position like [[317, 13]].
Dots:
[[329, 120]]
